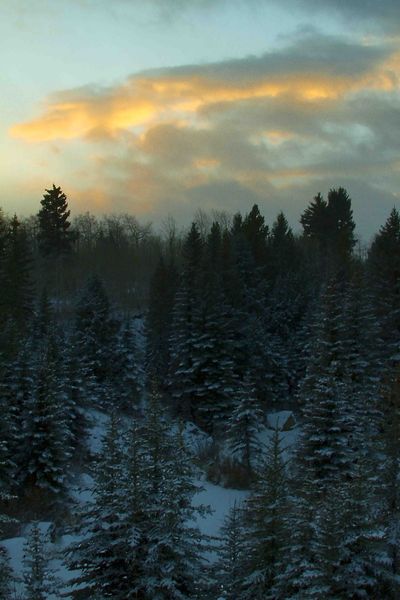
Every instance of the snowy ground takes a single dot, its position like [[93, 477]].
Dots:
[[218, 498]]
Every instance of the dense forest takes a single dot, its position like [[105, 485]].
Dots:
[[159, 334]]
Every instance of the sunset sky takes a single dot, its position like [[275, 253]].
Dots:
[[159, 107]]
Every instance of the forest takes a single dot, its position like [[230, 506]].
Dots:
[[139, 367]]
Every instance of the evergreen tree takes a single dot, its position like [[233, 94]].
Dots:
[[282, 249], [266, 526], [75, 400], [162, 292], [55, 237], [39, 580], [389, 476], [43, 323], [256, 232], [341, 223], [229, 568], [244, 425], [364, 572], [330, 226], [185, 331], [7, 578], [128, 375], [95, 341], [17, 296], [384, 269], [173, 568], [140, 540], [47, 434], [103, 555]]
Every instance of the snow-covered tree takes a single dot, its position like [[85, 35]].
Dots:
[[38, 577], [244, 426], [7, 576], [95, 340], [128, 378], [102, 556], [47, 433], [172, 568], [266, 526], [229, 568]]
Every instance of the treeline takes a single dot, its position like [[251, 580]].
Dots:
[[239, 318]]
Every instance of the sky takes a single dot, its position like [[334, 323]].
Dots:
[[164, 107]]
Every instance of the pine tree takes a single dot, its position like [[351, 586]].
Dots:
[[266, 526], [128, 378], [103, 555], [43, 323], [282, 249], [55, 237], [314, 220], [256, 233], [140, 538], [229, 568], [16, 301], [325, 453], [326, 396], [384, 269], [364, 572], [7, 577], [95, 341], [388, 481], [173, 568], [39, 580], [75, 400], [244, 425], [162, 292], [47, 433], [330, 227], [182, 380]]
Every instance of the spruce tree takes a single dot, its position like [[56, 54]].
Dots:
[[95, 341], [244, 426], [388, 481], [186, 329], [55, 237], [283, 258], [39, 579], [256, 233], [173, 567], [162, 292], [7, 577], [229, 568], [17, 296], [266, 526], [384, 270], [103, 555], [329, 225], [128, 378], [47, 433]]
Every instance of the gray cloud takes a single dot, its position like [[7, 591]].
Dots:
[[275, 130]]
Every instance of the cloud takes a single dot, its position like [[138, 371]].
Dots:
[[313, 69], [274, 129]]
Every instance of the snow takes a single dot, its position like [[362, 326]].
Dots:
[[279, 419], [15, 548], [219, 499], [98, 421]]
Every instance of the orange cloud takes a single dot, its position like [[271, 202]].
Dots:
[[172, 95]]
